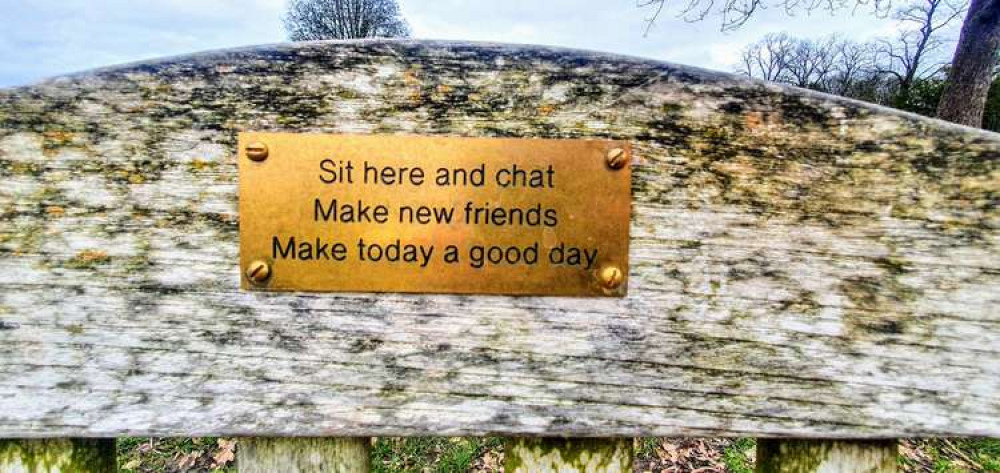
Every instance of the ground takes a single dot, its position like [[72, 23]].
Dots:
[[452, 455]]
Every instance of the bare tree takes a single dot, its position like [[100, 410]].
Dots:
[[975, 57], [308, 20], [907, 55], [811, 62], [833, 65], [852, 62], [875, 88], [767, 58], [735, 13], [815, 64]]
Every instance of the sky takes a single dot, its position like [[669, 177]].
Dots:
[[46, 38]]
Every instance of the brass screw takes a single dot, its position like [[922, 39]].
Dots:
[[258, 271], [611, 277], [616, 158], [257, 151]]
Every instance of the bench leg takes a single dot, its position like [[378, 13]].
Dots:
[[523, 455], [830, 456], [57, 455], [294, 455]]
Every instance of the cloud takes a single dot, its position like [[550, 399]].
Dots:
[[50, 37], [617, 26]]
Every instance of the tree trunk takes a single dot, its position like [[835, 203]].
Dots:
[[964, 96]]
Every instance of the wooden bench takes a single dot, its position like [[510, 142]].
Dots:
[[802, 267]]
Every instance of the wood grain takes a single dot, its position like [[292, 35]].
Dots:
[[827, 456], [304, 455], [801, 265]]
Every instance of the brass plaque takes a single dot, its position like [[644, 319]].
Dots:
[[434, 214]]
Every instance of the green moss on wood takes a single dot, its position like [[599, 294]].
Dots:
[[814, 456], [58, 455]]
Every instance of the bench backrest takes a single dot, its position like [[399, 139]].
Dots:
[[800, 264]]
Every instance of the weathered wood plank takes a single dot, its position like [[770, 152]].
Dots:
[[303, 455], [801, 264], [580, 455], [827, 456], [57, 455]]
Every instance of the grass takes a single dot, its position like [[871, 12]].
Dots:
[[439, 454], [476, 455], [951, 455], [691, 454], [646, 446], [987, 451], [738, 456], [155, 455]]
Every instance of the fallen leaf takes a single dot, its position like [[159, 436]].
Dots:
[[225, 454], [185, 461]]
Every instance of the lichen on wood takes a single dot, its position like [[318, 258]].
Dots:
[[826, 456], [303, 455], [579, 455], [800, 264]]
